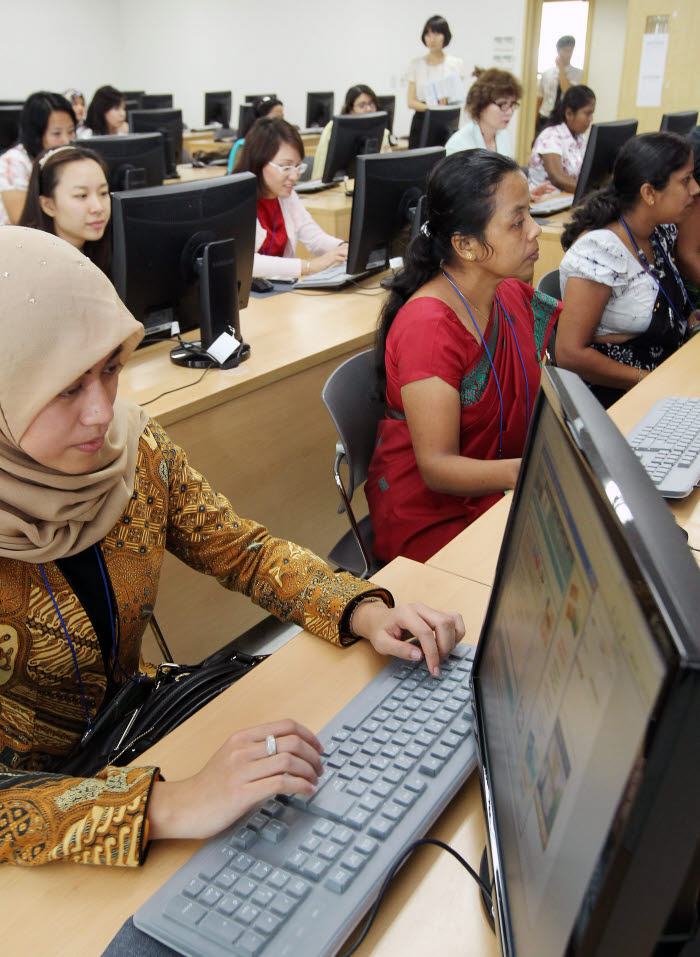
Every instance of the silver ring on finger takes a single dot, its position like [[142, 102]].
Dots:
[[270, 745]]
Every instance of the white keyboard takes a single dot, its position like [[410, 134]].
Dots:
[[333, 277], [555, 205], [313, 186], [667, 443]]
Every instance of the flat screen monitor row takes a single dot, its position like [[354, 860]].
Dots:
[[184, 253]]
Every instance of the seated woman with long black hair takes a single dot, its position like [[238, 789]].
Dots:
[[625, 306], [557, 153], [68, 196], [458, 357]]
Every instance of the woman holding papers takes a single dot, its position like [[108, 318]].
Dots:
[[435, 79]]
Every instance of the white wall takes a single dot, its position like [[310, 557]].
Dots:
[[185, 47], [605, 62]]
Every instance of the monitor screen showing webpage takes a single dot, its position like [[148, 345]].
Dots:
[[573, 679]]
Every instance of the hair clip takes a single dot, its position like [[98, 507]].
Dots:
[[53, 152], [425, 229]]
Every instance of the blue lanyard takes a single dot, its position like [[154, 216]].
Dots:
[[493, 368], [83, 696], [645, 265]]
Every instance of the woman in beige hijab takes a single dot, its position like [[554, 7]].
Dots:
[[91, 494]]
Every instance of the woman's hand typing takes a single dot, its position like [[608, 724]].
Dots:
[[238, 776], [386, 628], [332, 258]]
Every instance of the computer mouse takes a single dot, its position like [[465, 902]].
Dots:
[[261, 285]]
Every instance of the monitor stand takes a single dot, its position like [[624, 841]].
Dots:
[[194, 357], [486, 902]]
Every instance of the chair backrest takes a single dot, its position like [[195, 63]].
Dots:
[[549, 284], [349, 396]]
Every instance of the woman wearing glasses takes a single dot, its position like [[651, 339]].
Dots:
[[359, 100], [273, 150], [491, 102]]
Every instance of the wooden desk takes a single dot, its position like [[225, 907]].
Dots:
[[189, 173], [67, 909], [261, 435], [474, 552]]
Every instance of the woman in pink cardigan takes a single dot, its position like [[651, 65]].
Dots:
[[273, 150]]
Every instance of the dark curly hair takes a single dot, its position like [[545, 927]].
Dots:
[[489, 86]]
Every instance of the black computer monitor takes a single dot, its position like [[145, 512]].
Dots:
[[217, 108], [681, 123], [351, 136], [9, 125], [254, 97], [586, 687], [184, 253], [439, 123], [169, 124], [603, 145], [388, 189], [387, 104], [319, 109], [134, 160], [246, 118], [157, 101], [135, 97]]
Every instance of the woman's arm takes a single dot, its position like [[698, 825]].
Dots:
[[555, 172], [413, 102], [584, 304], [13, 201], [432, 412]]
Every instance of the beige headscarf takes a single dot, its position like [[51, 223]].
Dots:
[[59, 316]]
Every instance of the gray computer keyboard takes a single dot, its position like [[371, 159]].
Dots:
[[332, 277], [295, 875], [667, 442], [313, 186], [546, 207]]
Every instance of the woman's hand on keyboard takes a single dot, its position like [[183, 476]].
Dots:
[[239, 775], [437, 631], [332, 258]]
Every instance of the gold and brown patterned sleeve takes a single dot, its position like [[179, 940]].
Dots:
[[52, 817], [283, 578]]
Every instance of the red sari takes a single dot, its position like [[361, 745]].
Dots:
[[427, 339]]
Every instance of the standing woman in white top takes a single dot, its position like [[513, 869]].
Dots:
[[625, 307], [46, 121], [431, 68], [491, 102]]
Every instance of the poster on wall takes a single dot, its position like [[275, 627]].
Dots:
[[651, 69]]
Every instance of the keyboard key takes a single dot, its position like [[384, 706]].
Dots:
[[262, 896], [342, 835], [257, 822], [266, 924], [242, 862], [295, 862], [243, 887], [323, 828], [405, 797], [393, 811], [274, 831], [356, 787], [315, 868], [415, 784], [328, 851], [278, 878], [282, 905], [228, 905], [211, 896], [193, 888], [250, 944], [226, 879], [215, 861], [381, 827], [379, 762], [297, 888], [310, 843], [366, 846], [382, 789], [430, 766], [353, 861], [370, 802], [368, 775], [260, 870], [220, 929], [338, 880], [247, 913], [185, 911], [272, 807], [243, 838], [357, 817]]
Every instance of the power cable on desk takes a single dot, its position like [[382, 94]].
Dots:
[[179, 387], [398, 863]]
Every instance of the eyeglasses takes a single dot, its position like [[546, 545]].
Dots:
[[506, 105], [288, 170]]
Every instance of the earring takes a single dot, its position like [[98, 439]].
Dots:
[[469, 255]]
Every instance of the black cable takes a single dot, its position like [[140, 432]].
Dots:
[[179, 387], [398, 863]]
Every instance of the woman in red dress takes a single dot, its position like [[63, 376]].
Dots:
[[459, 351]]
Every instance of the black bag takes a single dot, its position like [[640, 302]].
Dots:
[[142, 713]]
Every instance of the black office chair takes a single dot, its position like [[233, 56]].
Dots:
[[550, 285], [349, 397]]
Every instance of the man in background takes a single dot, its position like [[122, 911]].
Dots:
[[555, 81]]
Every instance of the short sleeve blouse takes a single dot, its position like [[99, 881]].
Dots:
[[422, 73], [15, 170], [556, 139], [601, 256]]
